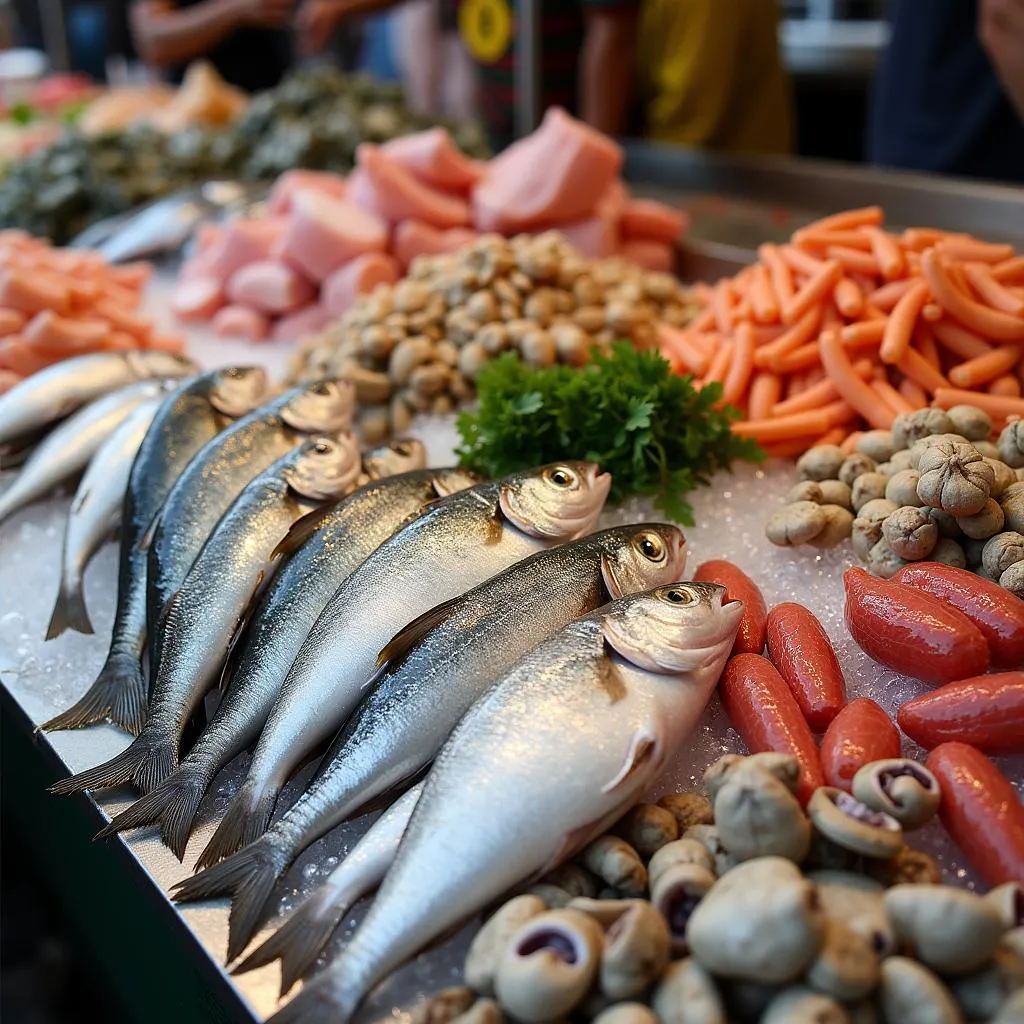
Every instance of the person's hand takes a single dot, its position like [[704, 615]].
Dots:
[[266, 13], [1001, 30]]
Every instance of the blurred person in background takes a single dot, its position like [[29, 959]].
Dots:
[[949, 97]]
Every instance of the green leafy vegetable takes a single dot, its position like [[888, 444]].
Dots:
[[22, 113], [652, 430]]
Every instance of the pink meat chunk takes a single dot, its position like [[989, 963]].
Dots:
[[357, 277], [279, 202], [414, 238], [197, 298], [652, 221], [649, 255], [270, 287], [244, 241], [240, 322], [310, 320], [594, 238], [434, 158]]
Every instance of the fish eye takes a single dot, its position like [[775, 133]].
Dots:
[[401, 448], [651, 547], [322, 448], [678, 596], [560, 476], [233, 373], [321, 388]]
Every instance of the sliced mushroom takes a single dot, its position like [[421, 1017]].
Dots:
[[681, 851], [847, 966], [901, 788], [648, 827], [687, 994], [848, 822], [1008, 899], [636, 951], [856, 901], [677, 893], [708, 837], [910, 994], [489, 944], [799, 1005], [617, 864]]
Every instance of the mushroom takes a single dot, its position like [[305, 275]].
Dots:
[[855, 465], [987, 450], [838, 526], [617, 864], [576, 881], [944, 523], [688, 809], [835, 492], [799, 1005], [984, 523], [902, 488], [553, 896], [908, 866], [876, 444], [821, 462], [1012, 579], [848, 822], [955, 478], [604, 912], [948, 552], [784, 767], [901, 788], [899, 462], [1008, 899], [443, 1007], [708, 837], [981, 995], [648, 828], [797, 523], [636, 951], [910, 994], [1012, 1011], [920, 447], [1000, 552], [1004, 477], [677, 892], [1011, 501], [909, 427], [626, 1013], [951, 930], [760, 922], [681, 851], [1011, 444], [975, 424], [806, 490], [856, 901], [490, 943], [883, 561], [868, 487], [548, 967], [910, 533], [846, 968], [757, 815], [686, 994], [866, 531]]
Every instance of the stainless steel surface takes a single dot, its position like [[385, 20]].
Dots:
[[527, 68]]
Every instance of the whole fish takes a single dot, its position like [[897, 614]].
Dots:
[[295, 598], [439, 665], [208, 611], [461, 541], [216, 476], [51, 394], [189, 417], [69, 447], [95, 510], [300, 939], [554, 753]]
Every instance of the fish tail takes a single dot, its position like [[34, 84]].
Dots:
[[333, 996], [69, 612], [249, 877], [246, 819], [119, 693], [151, 757]]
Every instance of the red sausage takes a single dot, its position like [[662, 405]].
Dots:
[[765, 713], [911, 631], [801, 651], [995, 611], [860, 733], [985, 711], [981, 811], [739, 587]]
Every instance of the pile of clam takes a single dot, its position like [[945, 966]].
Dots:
[[417, 346], [744, 906], [934, 487]]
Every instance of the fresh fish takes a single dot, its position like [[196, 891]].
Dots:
[[300, 939], [189, 417], [439, 665], [287, 612], [461, 541], [209, 610], [52, 393], [216, 476], [68, 448], [554, 753], [95, 510]]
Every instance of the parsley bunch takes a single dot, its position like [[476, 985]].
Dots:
[[652, 430]]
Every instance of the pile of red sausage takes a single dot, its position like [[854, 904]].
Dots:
[[942, 625]]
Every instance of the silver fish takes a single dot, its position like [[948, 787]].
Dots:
[[95, 510], [547, 760], [300, 939], [439, 665], [189, 417], [52, 393], [216, 476], [463, 540], [68, 448], [208, 611]]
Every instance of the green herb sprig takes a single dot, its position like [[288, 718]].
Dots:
[[651, 429]]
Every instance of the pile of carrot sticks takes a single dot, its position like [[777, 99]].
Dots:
[[849, 325]]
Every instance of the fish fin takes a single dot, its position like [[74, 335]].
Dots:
[[301, 530], [398, 647], [333, 996], [119, 693], [69, 612], [645, 746], [246, 819], [240, 626], [249, 877], [150, 758]]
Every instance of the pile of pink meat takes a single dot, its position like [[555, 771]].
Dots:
[[325, 239]]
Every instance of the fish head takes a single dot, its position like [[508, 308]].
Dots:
[[154, 363], [638, 558], [325, 467], [400, 455], [454, 478], [324, 406], [559, 502], [236, 390], [683, 627]]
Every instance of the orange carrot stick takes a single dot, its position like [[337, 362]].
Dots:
[[814, 239], [983, 369], [932, 311], [990, 323], [870, 312], [818, 285], [887, 253], [996, 406], [1009, 270], [960, 341], [848, 219], [815, 421], [802, 358], [900, 326], [720, 362], [762, 297], [682, 347], [853, 259], [916, 367], [800, 261], [742, 310], [864, 333], [778, 270], [721, 305], [989, 290], [920, 239], [848, 298], [886, 297], [854, 391], [765, 392], [819, 394], [801, 332], [971, 249], [741, 366], [913, 393], [765, 334], [891, 397], [1008, 386], [704, 320], [924, 342]]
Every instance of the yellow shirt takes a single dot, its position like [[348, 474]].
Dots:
[[710, 75]]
